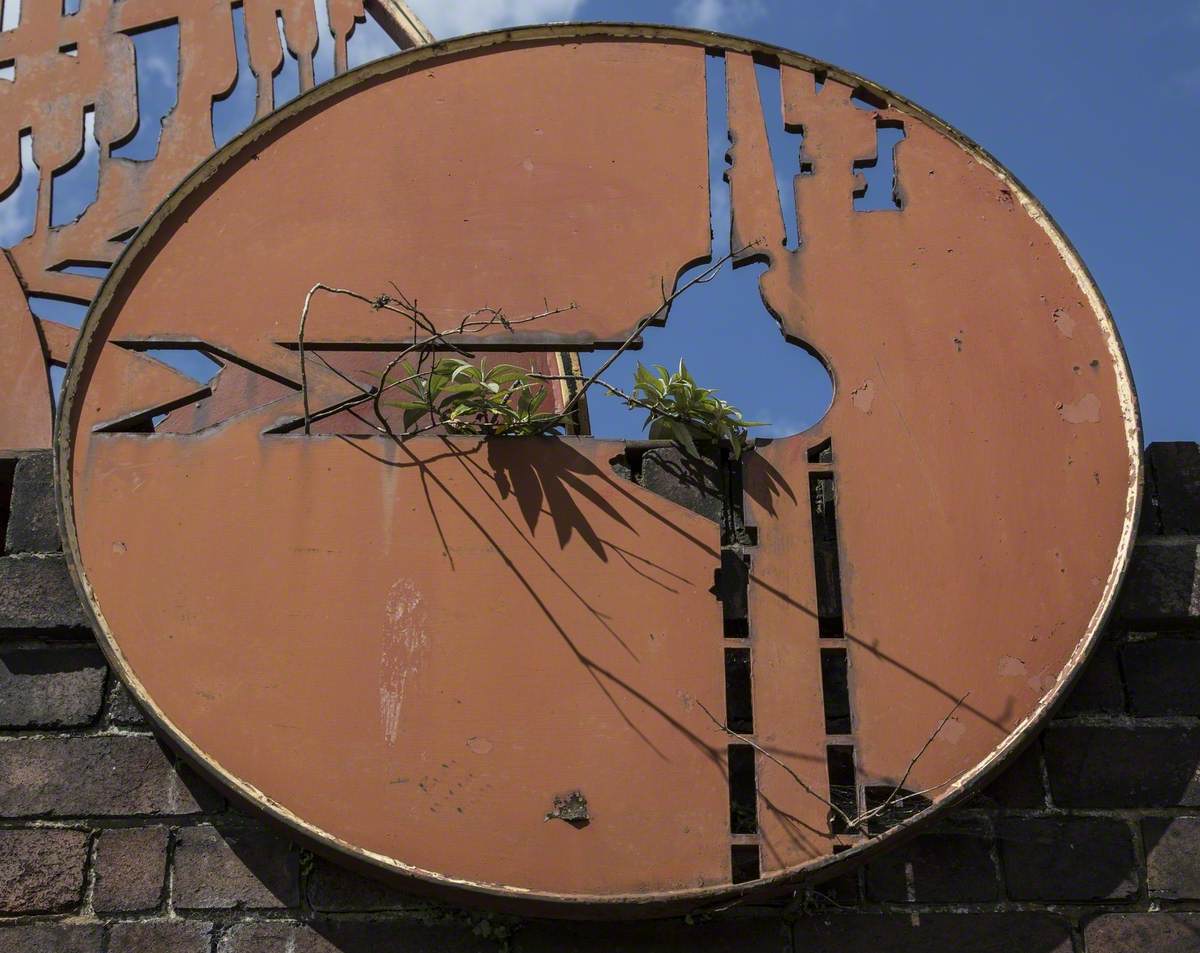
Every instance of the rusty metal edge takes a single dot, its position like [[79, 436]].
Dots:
[[518, 899], [405, 18]]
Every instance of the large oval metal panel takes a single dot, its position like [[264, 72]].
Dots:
[[407, 652]]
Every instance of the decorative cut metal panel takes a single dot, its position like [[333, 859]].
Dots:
[[499, 666], [64, 66]]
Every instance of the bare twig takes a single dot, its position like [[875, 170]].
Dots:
[[891, 798], [475, 321], [703, 278], [857, 822], [845, 818]]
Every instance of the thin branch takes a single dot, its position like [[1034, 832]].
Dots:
[[891, 798], [845, 818], [708, 275], [857, 822]]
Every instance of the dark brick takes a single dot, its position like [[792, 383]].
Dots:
[[131, 868], [52, 938], [1020, 784], [221, 869], [46, 688], [1160, 932], [1147, 766], [108, 775], [122, 709], [681, 478], [664, 936], [285, 936], [41, 870], [335, 890], [1160, 585], [1098, 688], [33, 516], [1172, 861], [932, 933], [160, 936], [1173, 487], [948, 866], [1063, 859], [1161, 676], [36, 592]]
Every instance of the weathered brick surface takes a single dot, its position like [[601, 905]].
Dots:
[[1159, 932], [122, 709], [1098, 688], [41, 869], [33, 517], [332, 889], [933, 933], [1020, 784], [51, 938], [1173, 857], [668, 936], [1122, 766], [1071, 858], [235, 867], [161, 936], [1173, 488], [41, 688], [94, 776], [944, 866], [131, 869], [1161, 585], [331, 936], [36, 592], [1161, 675], [683, 479]]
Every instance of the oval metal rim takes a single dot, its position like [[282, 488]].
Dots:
[[502, 896]]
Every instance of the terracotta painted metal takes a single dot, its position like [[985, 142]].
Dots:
[[407, 652], [63, 65]]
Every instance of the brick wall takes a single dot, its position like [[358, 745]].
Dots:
[[1088, 842]]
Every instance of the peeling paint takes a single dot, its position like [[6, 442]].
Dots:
[[863, 396], [1064, 322], [404, 643], [1086, 410]]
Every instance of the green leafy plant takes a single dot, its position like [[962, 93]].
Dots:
[[683, 411], [502, 400]]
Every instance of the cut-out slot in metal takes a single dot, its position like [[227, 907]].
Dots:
[[739, 694], [823, 497], [744, 863], [743, 790], [822, 452], [835, 686], [843, 785]]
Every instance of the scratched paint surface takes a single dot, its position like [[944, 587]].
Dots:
[[411, 650]]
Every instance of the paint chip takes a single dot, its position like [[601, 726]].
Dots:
[[1086, 410]]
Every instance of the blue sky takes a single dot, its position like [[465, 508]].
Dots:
[[1094, 106]]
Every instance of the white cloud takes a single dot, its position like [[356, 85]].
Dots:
[[455, 17], [723, 15]]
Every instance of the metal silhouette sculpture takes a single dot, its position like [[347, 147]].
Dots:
[[65, 65], [496, 667]]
